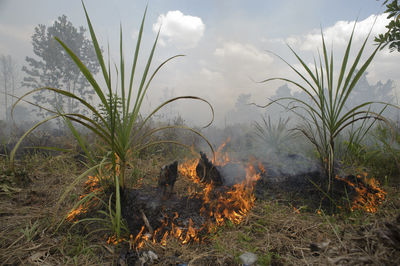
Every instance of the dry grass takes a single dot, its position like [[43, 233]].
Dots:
[[27, 216], [274, 231]]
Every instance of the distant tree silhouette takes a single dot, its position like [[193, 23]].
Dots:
[[54, 68], [243, 111]]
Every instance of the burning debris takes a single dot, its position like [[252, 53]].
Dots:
[[192, 217], [207, 172], [167, 178], [91, 186], [219, 191], [368, 193], [188, 218]]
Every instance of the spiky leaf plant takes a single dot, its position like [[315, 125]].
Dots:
[[327, 114], [118, 126], [274, 135]]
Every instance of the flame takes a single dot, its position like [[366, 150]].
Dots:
[[113, 240], [369, 194], [91, 185], [222, 158], [219, 206], [188, 169]]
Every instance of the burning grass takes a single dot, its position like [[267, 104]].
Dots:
[[210, 206], [272, 229], [280, 236], [191, 217], [369, 193], [27, 216], [218, 205]]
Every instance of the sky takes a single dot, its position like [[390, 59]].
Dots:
[[227, 43]]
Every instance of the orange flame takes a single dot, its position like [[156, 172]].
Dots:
[[188, 169], [113, 240], [369, 194], [218, 207], [222, 158], [91, 185]]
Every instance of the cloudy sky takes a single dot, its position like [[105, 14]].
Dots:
[[226, 42]]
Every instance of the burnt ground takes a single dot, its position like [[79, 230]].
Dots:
[[308, 189], [158, 209], [273, 230]]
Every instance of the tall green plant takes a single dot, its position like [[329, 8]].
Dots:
[[119, 130], [326, 114]]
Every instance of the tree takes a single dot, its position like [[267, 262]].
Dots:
[[8, 80], [243, 111], [54, 68], [392, 36]]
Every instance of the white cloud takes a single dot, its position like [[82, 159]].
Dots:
[[242, 52], [180, 30], [339, 34], [384, 65], [211, 75]]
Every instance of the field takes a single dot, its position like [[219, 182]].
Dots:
[[103, 180], [280, 228]]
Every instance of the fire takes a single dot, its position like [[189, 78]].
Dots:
[[369, 194], [91, 186], [113, 240], [219, 206], [222, 158], [188, 169], [75, 212]]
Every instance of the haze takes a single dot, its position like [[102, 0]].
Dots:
[[225, 43]]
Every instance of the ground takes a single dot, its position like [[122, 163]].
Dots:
[[30, 233]]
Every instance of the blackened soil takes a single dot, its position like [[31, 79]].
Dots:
[[159, 209], [308, 190]]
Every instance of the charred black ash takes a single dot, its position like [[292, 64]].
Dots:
[[167, 178], [208, 172]]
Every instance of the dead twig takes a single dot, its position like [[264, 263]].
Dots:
[[146, 222]]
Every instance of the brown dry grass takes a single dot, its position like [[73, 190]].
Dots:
[[272, 230], [28, 216]]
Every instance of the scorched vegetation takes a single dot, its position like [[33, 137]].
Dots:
[[114, 185]]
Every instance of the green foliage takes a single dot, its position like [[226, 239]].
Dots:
[[116, 101], [387, 144], [392, 36], [379, 154], [325, 115], [267, 258], [31, 230], [354, 147], [73, 246], [120, 129]]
